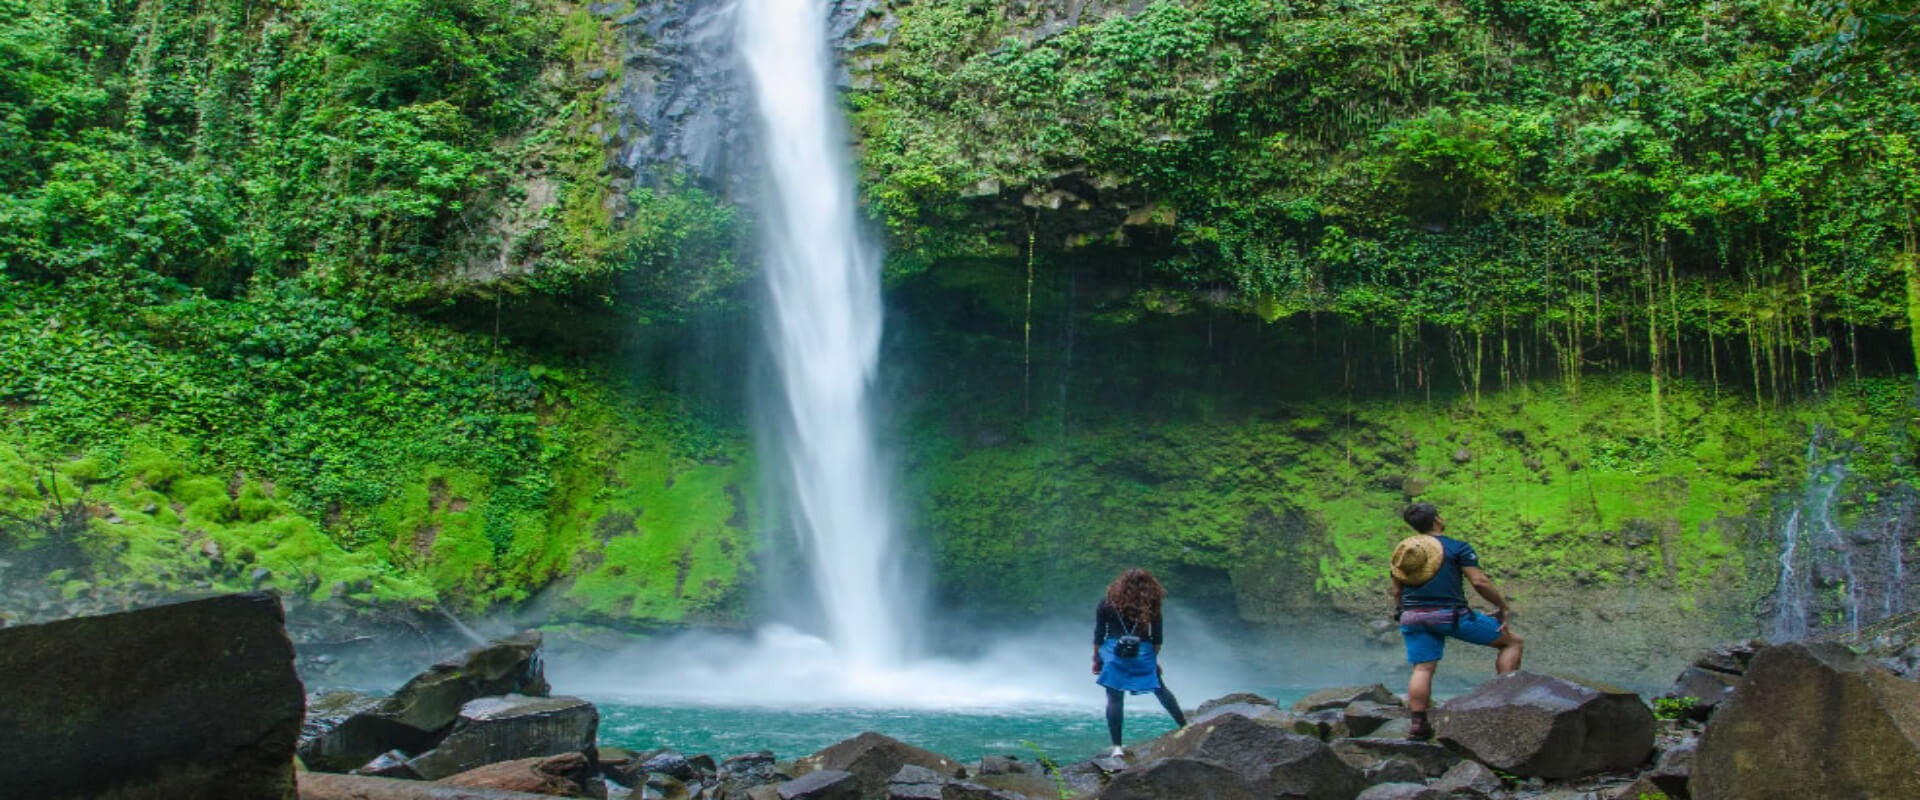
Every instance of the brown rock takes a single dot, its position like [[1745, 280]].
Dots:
[[873, 759], [196, 699], [559, 776], [1812, 720]]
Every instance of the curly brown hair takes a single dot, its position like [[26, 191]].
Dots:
[[1136, 595]]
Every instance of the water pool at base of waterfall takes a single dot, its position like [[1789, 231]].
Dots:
[[1062, 734]]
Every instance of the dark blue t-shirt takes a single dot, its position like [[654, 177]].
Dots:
[[1444, 589]]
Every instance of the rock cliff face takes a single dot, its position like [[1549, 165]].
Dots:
[[679, 111]]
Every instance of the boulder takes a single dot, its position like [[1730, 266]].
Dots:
[[1237, 698], [1548, 726], [914, 782], [1366, 716], [665, 787], [1033, 785], [670, 763], [1346, 696], [433, 699], [1001, 765], [1394, 770], [1255, 711], [1812, 720], [874, 759], [1271, 761], [493, 729], [569, 775], [1432, 759], [344, 730], [965, 790], [1178, 779], [327, 786], [1469, 779], [824, 784], [1401, 791], [1394, 729], [197, 699]]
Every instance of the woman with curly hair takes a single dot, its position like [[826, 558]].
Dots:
[[1126, 643]]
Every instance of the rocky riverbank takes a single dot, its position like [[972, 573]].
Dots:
[[200, 699]]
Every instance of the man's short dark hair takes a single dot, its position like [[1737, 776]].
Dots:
[[1420, 516]]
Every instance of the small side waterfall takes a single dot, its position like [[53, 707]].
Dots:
[[1834, 575], [823, 330]]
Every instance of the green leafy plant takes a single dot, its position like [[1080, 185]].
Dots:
[[1674, 707]]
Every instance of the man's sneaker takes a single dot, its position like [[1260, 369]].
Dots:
[[1117, 752]]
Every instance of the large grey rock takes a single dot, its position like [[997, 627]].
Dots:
[[1344, 696], [493, 729], [197, 699], [1432, 759], [1548, 726], [1401, 791], [1469, 779], [825, 784], [967, 790], [1707, 687], [1178, 779], [914, 782], [1271, 761], [874, 759], [1812, 720], [433, 699]]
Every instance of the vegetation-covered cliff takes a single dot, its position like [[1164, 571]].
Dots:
[[447, 301]]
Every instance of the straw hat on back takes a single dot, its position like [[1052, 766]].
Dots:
[[1416, 558]]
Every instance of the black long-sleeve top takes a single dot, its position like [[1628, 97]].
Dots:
[[1108, 625]]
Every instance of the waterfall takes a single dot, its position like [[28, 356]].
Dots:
[[823, 331]]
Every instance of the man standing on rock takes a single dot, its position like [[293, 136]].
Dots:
[[1431, 605]]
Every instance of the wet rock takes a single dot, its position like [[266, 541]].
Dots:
[[1469, 779], [914, 782], [1401, 791], [1366, 716], [1270, 761], [1237, 698], [1178, 779], [1394, 770], [1548, 726], [433, 699], [512, 727], [569, 775], [1345, 696], [873, 759], [1812, 720], [196, 699], [1432, 759], [825, 784], [670, 763]]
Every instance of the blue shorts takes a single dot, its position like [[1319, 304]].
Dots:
[[1428, 642]]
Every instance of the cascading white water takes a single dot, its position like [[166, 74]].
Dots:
[[824, 320]]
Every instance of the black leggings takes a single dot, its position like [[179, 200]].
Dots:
[[1116, 706]]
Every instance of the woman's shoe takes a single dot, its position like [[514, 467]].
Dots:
[[1117, 752]]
